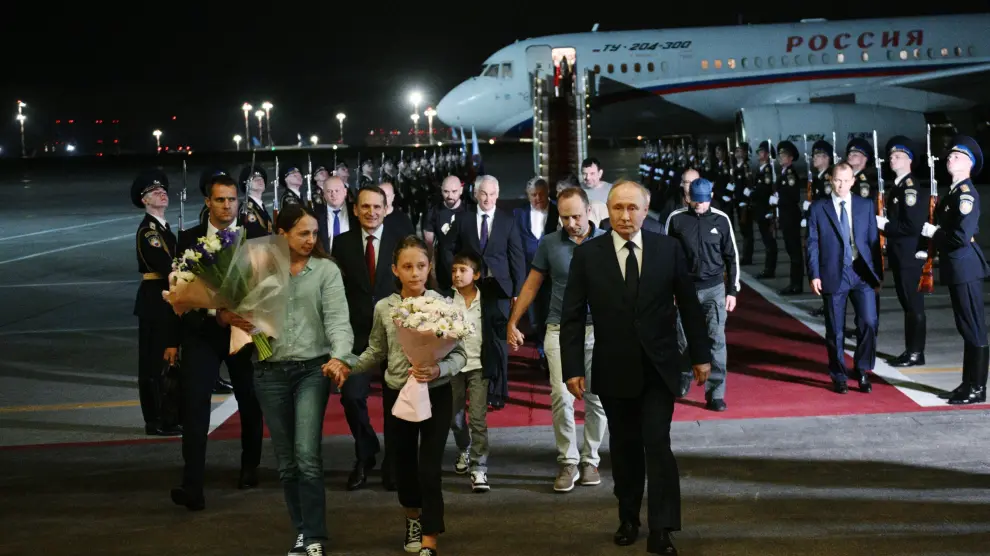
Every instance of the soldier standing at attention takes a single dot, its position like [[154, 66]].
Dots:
[[859, 155], [156, 342], [907, 212], [788, 195], [763, 210], [254, 215], [963, 266], [292, 180], [742, 184]]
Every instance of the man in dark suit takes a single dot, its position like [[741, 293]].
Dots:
[[534, 221], [205, 344], [339, 216], [630, 280], [844, 263], [395, 218], [488, 232], [364, 255]]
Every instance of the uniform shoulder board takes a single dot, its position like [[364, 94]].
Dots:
[[964, 188], [908, 182], [966, 204], [152, 225]]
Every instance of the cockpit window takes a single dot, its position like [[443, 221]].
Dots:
[[507, 71], [492, 71], [483, 68]]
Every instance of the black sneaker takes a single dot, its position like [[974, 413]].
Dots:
[[315, 549], [426, 551], [414, 536], [299, 548]]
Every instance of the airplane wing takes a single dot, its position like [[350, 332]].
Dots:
[[969, 82]]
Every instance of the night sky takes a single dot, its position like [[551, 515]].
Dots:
[[143, 66]]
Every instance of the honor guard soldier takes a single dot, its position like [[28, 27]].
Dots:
[[254, 215], [292, 181], [907, 212], [742, 184], [366, 178], [204, 180], [763, 211], [859, 154], [789, 194], [963, 266], [722, 196], [157, 342], [821, 160], [315, 200]]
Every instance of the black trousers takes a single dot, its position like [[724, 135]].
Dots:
[[639, 441], [354, 400], [790, 228], [907, 274], [746, 230], [419, 456], [969, 312], [769, 242], [203, 350], [152, 342]]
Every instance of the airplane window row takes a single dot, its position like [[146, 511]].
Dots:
[[825, 58], [637, 67]]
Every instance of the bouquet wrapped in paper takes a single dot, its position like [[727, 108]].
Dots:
[[428, 328], [247, 277]]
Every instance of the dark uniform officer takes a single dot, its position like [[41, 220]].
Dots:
[[763, 212], [287, 196], [156, 320], [365, 178], [742, 184], [254, 216], [821, 180], [866, 180], [790, 191], [316, 202], [204, 180], [907, 212], [963, 266]]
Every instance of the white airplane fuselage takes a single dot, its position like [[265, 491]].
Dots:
[[676, 80]]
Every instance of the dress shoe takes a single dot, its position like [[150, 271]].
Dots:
[[660, 543], [192, 501], [626, 534], [162, 430], [359, 475], [908, 359], [969, 395], [248, 478], [222, 386], [791, 290], [685, 384], [864, 383], [840, 387]]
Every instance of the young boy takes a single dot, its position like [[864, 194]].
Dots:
[[484, 351]]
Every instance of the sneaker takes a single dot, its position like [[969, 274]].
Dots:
[[414, 536], [479, 481], [590, 475], [566, 478], [462, 463], [299, 548], [315, 549], [426, 551]]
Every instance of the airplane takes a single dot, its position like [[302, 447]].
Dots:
[[757, 81]]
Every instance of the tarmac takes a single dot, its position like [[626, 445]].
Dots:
[[78, 476]]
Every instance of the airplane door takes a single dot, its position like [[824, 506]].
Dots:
[[539, 60]]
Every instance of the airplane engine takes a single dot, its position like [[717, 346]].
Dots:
[[790, 121]]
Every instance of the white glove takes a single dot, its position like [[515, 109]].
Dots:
[[805, 206], [726, 198], [769, 216], [742, 205], [774, 199], [928, 231], [747, 192], [804, 222], [921, 255], [730, 187], [882, 222]]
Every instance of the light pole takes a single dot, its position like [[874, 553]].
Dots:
[[158, 139], [247, 130], [430, 112], [415, 119], [237, 141], [415, 98], [314, 140], [340, 118], [21, 118], [260, 114], [267, 107]]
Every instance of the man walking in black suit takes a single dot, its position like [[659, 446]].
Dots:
[[205, 345], [634, 282], [364, 255], [489, 232]]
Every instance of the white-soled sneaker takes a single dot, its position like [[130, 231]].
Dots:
[[414, 536], [299, 548], [427, 551], [479, 481], [315, 549], [462, 463]]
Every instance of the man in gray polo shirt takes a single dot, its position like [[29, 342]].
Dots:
[[553, 258]]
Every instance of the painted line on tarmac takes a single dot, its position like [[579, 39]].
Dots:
[[217, 398], [66, 228], [67, 330], [67, 284], [66, 248]]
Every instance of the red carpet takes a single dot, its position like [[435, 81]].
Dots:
[[777, 368]]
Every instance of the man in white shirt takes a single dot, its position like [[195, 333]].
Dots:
[[338, 217]]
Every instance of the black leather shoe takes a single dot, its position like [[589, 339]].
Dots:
[[908, 359], [660, 543], [955, 391], [359, 475], [248, 478], [162, 430], [840, 387], [969, 395], [626, 534], [864, 383], [192, 501], [222, 387], [685, 384], [819, 312]]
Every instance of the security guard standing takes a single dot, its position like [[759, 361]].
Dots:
[[821, 160], [291, 182], [742, 186], [907, 212], [157, 342], [964, 266], [788, 197], [763, 211], [859, 154], [254, 215]]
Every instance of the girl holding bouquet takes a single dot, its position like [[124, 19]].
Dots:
[[290, 384], [419, 445]]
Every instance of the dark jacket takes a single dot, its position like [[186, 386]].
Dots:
[[709, 245], [825, 244], [503, 255]]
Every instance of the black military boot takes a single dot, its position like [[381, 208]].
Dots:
[[964, 385], [914, 335], [975, 366]]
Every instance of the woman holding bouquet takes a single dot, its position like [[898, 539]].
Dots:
[[419, 445], [290, 384]]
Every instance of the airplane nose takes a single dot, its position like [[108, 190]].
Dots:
[[446, 108]]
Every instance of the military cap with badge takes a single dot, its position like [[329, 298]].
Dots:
[[145, 183]]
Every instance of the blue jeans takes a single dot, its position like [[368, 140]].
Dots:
[[293, 396]]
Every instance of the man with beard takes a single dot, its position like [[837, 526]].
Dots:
[[437, 226]]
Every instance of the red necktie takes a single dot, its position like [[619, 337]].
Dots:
[[369, 258]]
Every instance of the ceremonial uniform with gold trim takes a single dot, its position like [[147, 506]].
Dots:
[[155, 248], [791, 190]]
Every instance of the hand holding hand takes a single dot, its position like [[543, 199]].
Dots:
[[701, 372], [576, 387], [425, 374], [514, 337], [336, 370]]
